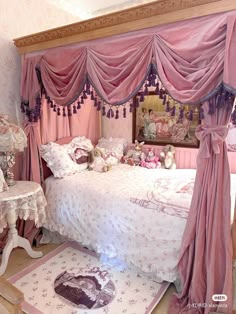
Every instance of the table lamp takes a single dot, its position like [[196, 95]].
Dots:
[[12, 139]]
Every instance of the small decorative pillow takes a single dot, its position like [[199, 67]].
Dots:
[[3, 184], [81, 146], [113, 146], [59, 161]]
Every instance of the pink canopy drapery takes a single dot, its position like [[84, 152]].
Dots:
[[191, 59], [195, 62]]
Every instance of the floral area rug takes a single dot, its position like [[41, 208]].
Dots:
[[72, 280]]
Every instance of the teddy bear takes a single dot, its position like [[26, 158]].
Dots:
[[151, 161], [134, 156], [97, 161], [167, 157]]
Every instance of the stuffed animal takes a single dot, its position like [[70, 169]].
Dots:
[[167, 157], [151, 161], [134, 156], [97, 161]]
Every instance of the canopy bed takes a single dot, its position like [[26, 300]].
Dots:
[[191, 61]]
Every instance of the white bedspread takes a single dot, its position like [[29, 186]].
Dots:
[[135, 214]]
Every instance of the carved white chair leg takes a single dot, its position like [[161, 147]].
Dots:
[[5, 256], [24, 243]]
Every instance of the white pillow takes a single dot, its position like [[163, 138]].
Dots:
[[81, 142], [59, 161], [114, 146]]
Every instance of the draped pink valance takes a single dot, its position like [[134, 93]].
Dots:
[[193, 58]]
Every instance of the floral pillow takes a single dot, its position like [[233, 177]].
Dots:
[[81, 146], [59, 160], [113, 148]]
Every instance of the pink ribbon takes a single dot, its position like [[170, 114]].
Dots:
[[210, 139]]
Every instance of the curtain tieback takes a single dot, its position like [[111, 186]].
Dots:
[[210, 139]]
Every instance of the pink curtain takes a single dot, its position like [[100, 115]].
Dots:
[[193, 58], [205, 264], [84, 123]]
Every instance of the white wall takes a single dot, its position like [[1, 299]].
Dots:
[[19, 18]]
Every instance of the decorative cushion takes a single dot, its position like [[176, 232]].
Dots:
[[113, 148], [81, 146], [59, 161]]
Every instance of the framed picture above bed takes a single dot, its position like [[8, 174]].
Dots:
[[160, 124]]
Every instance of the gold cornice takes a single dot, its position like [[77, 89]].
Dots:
[[147, 15]]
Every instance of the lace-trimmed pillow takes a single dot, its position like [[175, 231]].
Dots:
[[59, 161], [113, 147]]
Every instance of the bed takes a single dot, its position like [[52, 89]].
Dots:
[[130, 214]]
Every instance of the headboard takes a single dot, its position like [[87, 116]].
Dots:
[[46, 171]]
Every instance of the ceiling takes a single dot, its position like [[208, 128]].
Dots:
[[86, 9]]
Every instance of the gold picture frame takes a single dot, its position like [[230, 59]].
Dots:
[[156, 124]]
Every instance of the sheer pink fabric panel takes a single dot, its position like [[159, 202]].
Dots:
[[84, 123], [193, 57], [205, 264]]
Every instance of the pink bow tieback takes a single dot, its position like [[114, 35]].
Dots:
[[210, 139]]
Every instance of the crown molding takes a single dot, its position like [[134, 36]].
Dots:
[[135, 18]]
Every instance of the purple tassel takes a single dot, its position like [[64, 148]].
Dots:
[[64, 112], [112, 113], [55, 108], [69, 112], [136, 104], [99, 105], [201, 114], [82, 100], [84, 94], [181, 114], [74, 109], [48, 100], [168, 106], [146, 90], [58, 111], [157, 91], [161, 93], [117, 114], [95, 102], [78, 105], [131, 108], [103, 110], [173, 111], [164, 100], [191, 115], [109, 113], [92, 95], [142, 98], [51, 104], [124, 112]]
